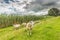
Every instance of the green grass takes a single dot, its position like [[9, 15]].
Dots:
[[48, 29]]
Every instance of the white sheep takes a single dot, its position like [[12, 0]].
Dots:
[[16, 26], [24, 24], [29, 27]]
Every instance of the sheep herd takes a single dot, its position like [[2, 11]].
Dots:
[[28, 26]]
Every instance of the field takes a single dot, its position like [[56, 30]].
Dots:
[[47, 29]]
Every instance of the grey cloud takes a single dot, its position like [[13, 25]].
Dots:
[[46, 2], [41, 4]]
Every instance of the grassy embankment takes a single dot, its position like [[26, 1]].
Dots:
[[47, 29]]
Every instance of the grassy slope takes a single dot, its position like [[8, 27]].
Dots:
[[45, 30]]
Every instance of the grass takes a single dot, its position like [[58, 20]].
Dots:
[[47, 29]]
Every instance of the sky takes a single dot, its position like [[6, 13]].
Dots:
[[23, 6]]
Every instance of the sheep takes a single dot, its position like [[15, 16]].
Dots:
[[16, 26], [24, 24], [29, 27]]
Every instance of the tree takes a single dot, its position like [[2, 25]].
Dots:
[[53, 12]]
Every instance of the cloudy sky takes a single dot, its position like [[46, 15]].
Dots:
[[14, 6]]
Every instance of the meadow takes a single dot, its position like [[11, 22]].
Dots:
[[46, 29]]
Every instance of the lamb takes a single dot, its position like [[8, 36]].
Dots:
[[29, 27], [16, 26], [24, 24]]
